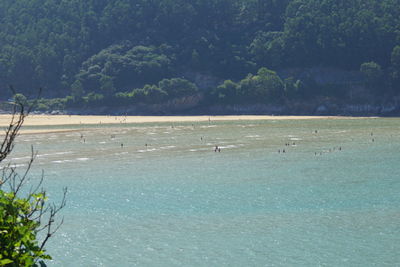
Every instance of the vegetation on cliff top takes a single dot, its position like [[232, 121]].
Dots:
[[106, 50]]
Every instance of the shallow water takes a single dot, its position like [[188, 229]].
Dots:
[[331, 199]]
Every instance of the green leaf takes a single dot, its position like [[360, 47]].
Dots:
[[5, 261]]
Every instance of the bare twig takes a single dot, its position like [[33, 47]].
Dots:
[[39, 211], [53, 211]]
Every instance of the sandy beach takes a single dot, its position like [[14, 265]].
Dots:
[[55, 120], [71, 120]]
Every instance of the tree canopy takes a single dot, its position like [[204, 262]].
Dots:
[[109, 47]]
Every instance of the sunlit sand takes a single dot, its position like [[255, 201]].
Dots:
[[54, 120]]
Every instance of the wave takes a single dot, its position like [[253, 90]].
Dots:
[[253, 136], [147, 150], [167, 147], [56, 153], [21, 158], [208, 126], [82, 159], [61, 161], [70, 160], [228, 146]]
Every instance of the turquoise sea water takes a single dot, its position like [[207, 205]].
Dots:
[[332, 199]]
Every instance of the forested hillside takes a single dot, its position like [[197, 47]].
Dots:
[[110, 52]]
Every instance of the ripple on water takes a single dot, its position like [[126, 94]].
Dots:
[[245, 208]]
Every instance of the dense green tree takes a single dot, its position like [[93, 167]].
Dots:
[[178, 87], [123, 65], [395, 57], [107, 85], [114, 45], [264, 87], [373, 75], [291, 88], [20, 98], [77, 90], [226, 92], [154, 95], [395, 75]]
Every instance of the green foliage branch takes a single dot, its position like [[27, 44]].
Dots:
[[23, 215]]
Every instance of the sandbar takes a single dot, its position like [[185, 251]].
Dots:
[[58, 120]]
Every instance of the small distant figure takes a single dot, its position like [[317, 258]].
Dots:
[[84, 140], [216, 149], [373, 140], [316, 131], [145, 145], [315, 153], [201, 138], [294, 143], [340, 148], [219, 149], [283, 151], [122, 145]]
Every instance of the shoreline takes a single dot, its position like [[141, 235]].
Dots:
[[60, 120]]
